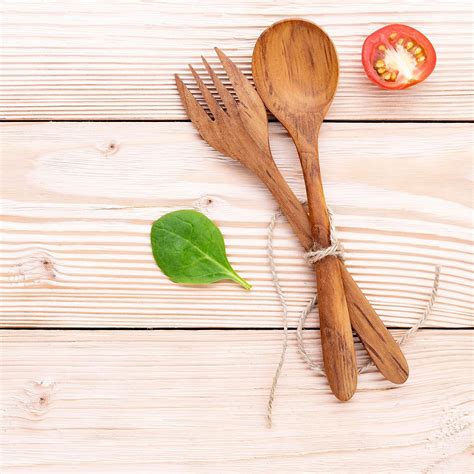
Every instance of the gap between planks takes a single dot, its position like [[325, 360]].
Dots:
[[271, 120]]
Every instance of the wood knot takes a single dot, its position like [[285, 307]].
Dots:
[[108, 149], [38, 397], [204, 203], [38, 269]]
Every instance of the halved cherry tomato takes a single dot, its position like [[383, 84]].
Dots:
[[397, 57]]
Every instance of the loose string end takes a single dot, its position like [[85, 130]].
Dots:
[[315, 254]]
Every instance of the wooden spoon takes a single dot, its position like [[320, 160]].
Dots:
[[296, 71]]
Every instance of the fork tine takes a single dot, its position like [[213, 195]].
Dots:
[[251, 109], [209, 98], [193, 108], [240, 83], [226, 96], [207, 128]]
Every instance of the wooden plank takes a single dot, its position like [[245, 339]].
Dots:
[[77, 219], [116, 60], [186, 401]]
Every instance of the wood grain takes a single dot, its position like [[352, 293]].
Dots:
[[79, 198], [187, 401], [116, 60]]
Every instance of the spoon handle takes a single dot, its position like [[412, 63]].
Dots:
[[336, 331]]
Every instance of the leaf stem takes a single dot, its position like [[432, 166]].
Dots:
[[245, 284]]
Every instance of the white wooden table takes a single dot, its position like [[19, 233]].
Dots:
[[106, 366]]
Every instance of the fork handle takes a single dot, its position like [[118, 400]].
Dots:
[[376, 338]]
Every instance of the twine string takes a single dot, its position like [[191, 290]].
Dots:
[[314, 255]]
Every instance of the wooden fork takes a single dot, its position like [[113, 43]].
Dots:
[[241, 132]]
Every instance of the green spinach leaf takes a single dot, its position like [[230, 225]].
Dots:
[[189, 248]]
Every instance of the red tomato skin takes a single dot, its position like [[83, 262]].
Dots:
[[380, 36]]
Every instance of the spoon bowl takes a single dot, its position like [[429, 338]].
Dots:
[[305, 85]]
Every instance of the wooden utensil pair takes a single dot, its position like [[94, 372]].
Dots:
[[296, 71]]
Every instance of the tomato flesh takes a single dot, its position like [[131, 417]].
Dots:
[[397, 57]]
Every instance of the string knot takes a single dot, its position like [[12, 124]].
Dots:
[[317, 253], [336, 249]]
